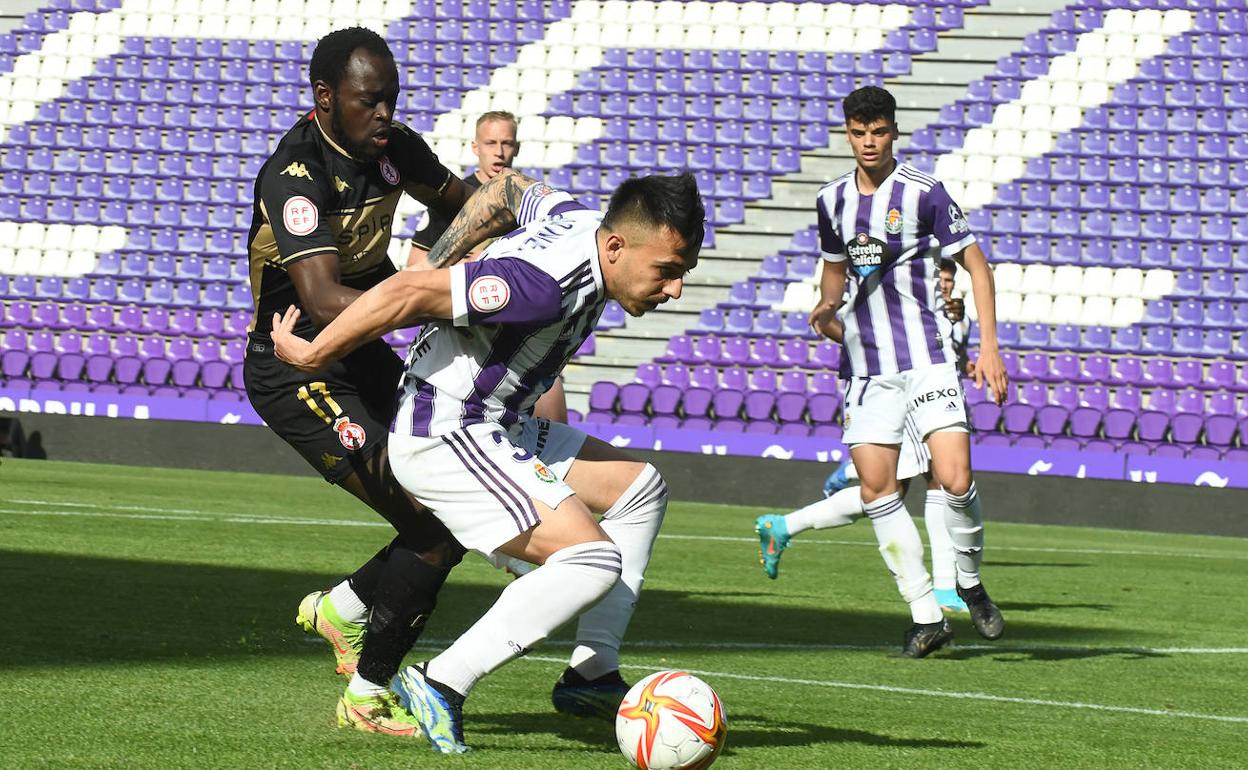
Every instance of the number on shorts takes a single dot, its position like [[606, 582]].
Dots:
[[305, 395], [521, 454]]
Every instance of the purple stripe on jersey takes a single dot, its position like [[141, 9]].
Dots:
[[510, 290], [862, 307], [892, 300], [565, 207], [580, 271], [920, 284], [553, 362], [494, 369], [505, 500], [422, 408], [529, 513]]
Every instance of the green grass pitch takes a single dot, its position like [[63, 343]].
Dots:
[[149, 624]]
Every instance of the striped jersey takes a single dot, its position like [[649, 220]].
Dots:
[[520, 312], [893, 239]]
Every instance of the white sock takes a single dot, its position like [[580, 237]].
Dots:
[[965, 520], [844, 507], [944, 571], [364, 688], [527, 611], [347, 604], [902, 550], [633, 523]]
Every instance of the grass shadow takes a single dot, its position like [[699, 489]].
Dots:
[[90, 610]]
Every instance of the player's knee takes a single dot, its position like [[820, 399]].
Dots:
[[644, 501], [959, 482]]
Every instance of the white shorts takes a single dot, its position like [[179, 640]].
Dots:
[[915, 459], [481, 481], [877, 408]]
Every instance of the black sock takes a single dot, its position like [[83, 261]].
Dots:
[[404, 598], [365, 579]]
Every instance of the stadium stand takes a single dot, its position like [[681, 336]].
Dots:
[[1101, 161]]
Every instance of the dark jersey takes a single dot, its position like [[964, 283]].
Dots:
[[428, 235], [312, 198]]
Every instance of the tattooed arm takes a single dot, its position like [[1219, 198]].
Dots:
[[490, 212]]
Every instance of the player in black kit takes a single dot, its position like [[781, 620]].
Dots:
[[321, 223]]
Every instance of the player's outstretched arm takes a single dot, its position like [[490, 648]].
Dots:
[[491, 212], [831, 292], [989, 367], [401, 300]]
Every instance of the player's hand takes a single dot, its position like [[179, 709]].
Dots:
[[990, 369], [289, 347], [824, 322]]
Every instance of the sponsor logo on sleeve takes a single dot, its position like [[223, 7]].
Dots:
[[892, 223], [388, 170], [299, 215], [489, 294], [297, 170], [957, 222]]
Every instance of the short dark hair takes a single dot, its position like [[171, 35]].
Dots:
[[658, 201], [329, 60], [947, 263], [869, 104]]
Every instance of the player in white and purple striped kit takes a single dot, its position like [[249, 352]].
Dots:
[[886, 226], [464, 441]]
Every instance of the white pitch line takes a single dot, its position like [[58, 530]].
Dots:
[[980, 696], [105, 510], [667, 644]]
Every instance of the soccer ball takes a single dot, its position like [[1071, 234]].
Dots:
[[671, 721]]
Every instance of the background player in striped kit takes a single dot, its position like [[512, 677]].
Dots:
[[464, 442], [885, 225]]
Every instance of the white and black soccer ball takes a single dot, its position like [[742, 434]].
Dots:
[[671, 720]]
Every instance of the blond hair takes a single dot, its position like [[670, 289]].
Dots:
[[486, 117]]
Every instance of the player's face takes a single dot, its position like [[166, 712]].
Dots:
[[362, 107], [872, 143], [495, 146], [645, 269], [946, 284]]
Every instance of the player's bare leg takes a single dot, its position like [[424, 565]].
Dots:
[[900, 545], [951, 465], [579, 565], [632, 498]]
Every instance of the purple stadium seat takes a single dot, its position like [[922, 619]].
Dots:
[[1050, 419], [633, 397], [1220, 430], [696, 402], [705, 377], [676, 375], [1152, 425], [985, 416], [727, 404], [664, 399], [759, 405], [1118, 424], [1185, 428]]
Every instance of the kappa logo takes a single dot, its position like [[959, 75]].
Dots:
[[330, 461], [341, 185], [351, 434], [933, 395], [297, 170]]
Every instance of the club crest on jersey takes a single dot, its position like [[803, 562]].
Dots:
[[489, 294], [299, 215], [892, 223], [388, 171], [351, 434], [866, 254], [543, 473]]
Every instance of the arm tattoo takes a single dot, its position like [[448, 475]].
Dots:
[[489, 213]]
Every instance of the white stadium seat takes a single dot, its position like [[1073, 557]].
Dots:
[[1067, 308], [1128, 282], [641, 10], [1097, 311], [1127, 311], [867, 16], [1009, 306], [54, 262], [614, 11], [1007, 276], [1158, 282], [669, 12], [27, 261], [868, 38], [977, 168], [781, 15], [725, 14], [1066, 280], [7, 257], [838, 16], [697, 12], [1037, 308], [1097, 282], [1037, 279]]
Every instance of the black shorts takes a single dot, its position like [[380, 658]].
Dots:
[[337, 418]]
